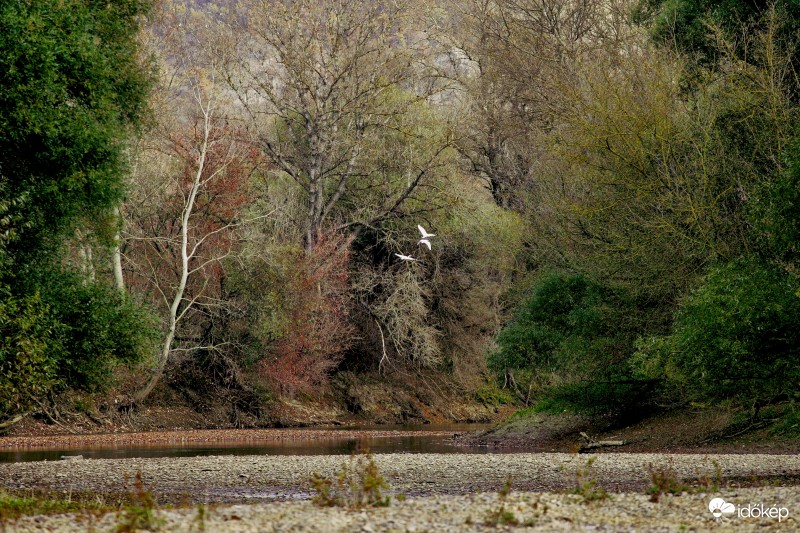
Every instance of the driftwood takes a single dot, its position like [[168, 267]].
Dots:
[[591, 444], [8, 423]]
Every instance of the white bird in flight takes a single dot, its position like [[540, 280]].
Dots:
[[406, 257], [424, 233]]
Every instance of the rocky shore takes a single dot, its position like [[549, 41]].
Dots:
[[446, 492], [522, 511], [270, 477]]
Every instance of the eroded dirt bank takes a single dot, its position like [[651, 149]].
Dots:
[[677, 431]]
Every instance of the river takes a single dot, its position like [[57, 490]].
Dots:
[[428, 438]]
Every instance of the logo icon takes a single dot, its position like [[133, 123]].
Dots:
[[719, 507]]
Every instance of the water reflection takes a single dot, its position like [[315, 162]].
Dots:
[[423, 442]]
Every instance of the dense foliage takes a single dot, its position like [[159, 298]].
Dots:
[[670, 177], [570, 341], [735, 336], [613, 189], [72, 88], [97, 328], [563, 327], [701, 27], [28, 374]]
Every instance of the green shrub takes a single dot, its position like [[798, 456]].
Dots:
[[70, 334], [736, 336], [562, 314], [493, 396], [99, 329], [789, 425], [27, 372], [570, 341]]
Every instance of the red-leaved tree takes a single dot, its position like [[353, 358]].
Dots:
[[318, 331]]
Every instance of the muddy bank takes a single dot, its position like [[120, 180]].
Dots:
[[351, 400], [678, 431]]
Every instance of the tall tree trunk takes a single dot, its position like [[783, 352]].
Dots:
[[87, 258], [119, 280]]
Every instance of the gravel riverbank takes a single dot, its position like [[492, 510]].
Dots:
[[447, 492], [455, 513], [248, 478]]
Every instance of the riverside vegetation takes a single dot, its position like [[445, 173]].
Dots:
[[200, 203], [358, 484]]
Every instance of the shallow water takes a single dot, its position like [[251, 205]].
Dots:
[[423, 441]]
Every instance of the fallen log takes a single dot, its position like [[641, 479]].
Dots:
[[8, 423], [591, 444]]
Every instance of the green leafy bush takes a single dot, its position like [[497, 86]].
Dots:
[[69, 336], [570, 342], [735, 336], [27, 371], [99, 328], [493, 396], [563, 316], [775, 212], [789, 425]]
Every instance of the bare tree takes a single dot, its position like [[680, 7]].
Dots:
[[332, 89], [190, 184], [522, 53]]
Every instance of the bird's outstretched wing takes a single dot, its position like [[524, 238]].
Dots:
[[424, 232], [426, 242]]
